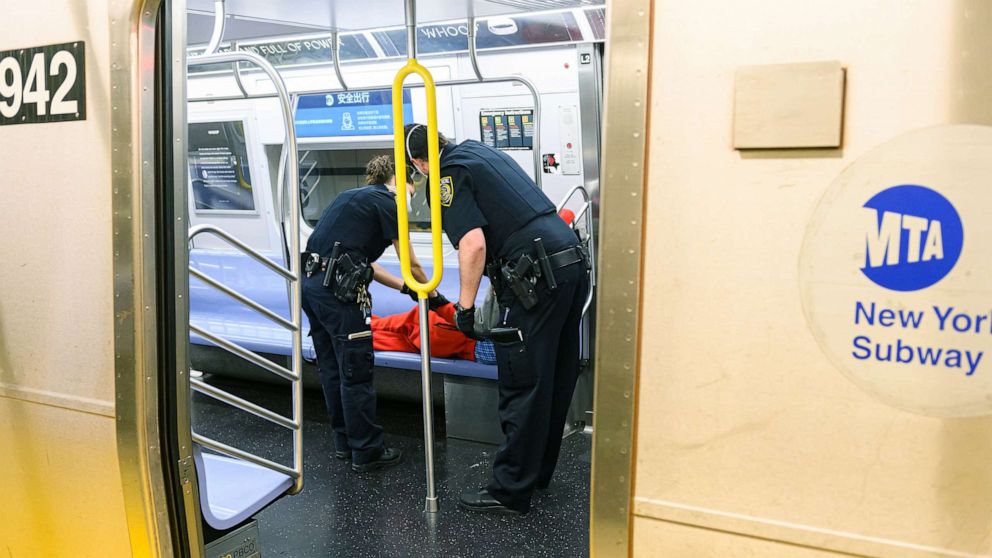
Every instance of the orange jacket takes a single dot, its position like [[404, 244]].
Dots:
[[401, 332]]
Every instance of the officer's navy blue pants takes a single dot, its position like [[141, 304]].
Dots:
[[345, 367], [536, 381]]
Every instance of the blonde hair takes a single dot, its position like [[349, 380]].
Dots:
[[379, 170]]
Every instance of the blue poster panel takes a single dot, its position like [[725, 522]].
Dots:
[[218, 167], [349, 113]]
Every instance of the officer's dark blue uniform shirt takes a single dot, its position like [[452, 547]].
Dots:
[[363, 220], [482, 187]]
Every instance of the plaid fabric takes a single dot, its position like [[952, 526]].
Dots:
[[485, 353]]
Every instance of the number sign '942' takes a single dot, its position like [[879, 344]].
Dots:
[[43, 84]]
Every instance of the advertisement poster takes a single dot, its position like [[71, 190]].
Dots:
[[218, 167]]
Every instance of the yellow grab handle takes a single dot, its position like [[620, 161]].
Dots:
[[434, 180]]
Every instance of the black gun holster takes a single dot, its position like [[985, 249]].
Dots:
[[521, 277], [350, 277]]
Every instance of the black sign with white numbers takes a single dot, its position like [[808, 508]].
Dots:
[[43, 84]]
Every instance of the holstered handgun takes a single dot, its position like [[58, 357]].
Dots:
[[351, 276], [516, 277]]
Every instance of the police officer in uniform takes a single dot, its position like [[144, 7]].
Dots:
[[503, 225], [350, 236]]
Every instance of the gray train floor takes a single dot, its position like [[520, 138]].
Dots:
[[342, 513]]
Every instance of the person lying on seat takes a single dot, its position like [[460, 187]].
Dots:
[[401, 333]]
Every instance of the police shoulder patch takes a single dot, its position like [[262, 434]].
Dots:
[[447, 191]]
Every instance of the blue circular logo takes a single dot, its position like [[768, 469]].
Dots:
[[913, 238]]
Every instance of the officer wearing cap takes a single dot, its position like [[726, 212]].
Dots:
[[503, 225], [350, 236]]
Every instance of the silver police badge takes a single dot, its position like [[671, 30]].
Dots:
[[447, 191]]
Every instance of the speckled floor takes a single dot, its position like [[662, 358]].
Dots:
[[341, 513]]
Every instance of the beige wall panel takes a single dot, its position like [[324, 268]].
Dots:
[[60, 488], [56, 300], [740, 412], [661, 539]]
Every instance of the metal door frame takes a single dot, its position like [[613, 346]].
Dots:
[[627, 97]]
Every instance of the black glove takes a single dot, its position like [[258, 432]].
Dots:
[[409, 292], [437, 301], [465, 320]]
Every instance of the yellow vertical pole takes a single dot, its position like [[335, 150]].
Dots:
[[422, 289]]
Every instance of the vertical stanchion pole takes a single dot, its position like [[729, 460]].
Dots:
[[423, 290], [431, 505]]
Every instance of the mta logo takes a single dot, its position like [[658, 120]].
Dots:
[[913, 238]]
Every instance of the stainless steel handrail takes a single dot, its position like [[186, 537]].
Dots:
[[234, 400], [296, 475], [472, 56], [584, 211], [291, 275], [213, 229], [236, 68], [242, 299], [244, 353], [220, 17], [336, 59], [538, 178]]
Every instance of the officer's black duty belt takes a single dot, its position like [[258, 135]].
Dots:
[[521, 276], [565, 258], [312, 262]]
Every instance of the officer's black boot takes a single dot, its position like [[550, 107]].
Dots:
[[388, 458], [482, 501]]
